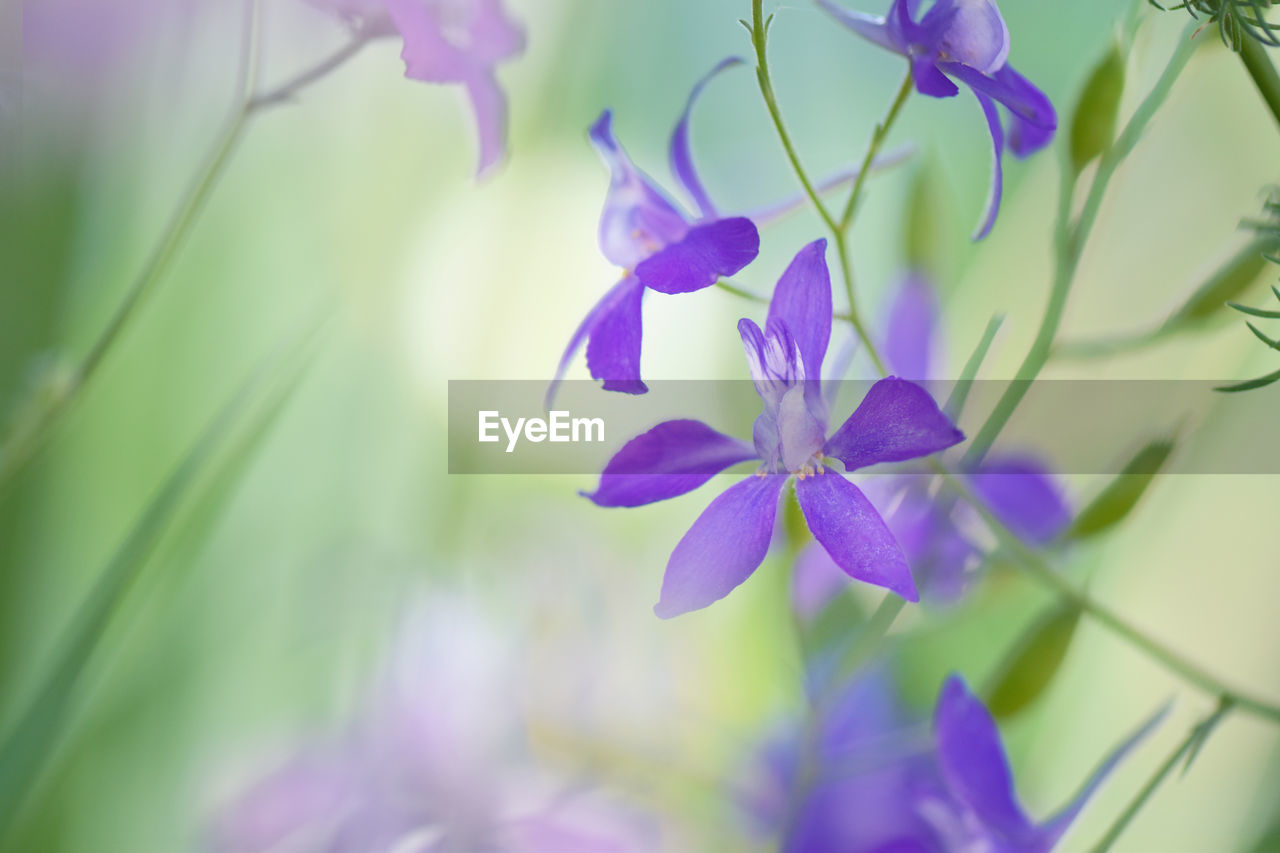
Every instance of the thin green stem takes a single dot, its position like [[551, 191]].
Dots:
[[1188, 747], [759, 37], [855, 319], [872, 635], [26, 439], [1104, 347], [1258, 64], [1035, 566], [730, 287], [1070, 240], [877, 141], [288, 90]]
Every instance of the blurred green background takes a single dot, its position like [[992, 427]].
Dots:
[[289, 567]]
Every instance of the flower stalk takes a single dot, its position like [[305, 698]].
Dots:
[[1070, 242], [1194, 740], [1035, 566], [1254, 56], [839, 229], [26, 440]]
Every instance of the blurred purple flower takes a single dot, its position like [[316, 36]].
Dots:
[[866, 777], [449, 41], [931, 528], [897, 421], [659, 247], [434, 762], [966, 40]]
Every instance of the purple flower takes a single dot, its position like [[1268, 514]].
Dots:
[[964, 40], [897, 421], [932, 528], [450, 41], [659, 247], [867, 777], [434, 762]]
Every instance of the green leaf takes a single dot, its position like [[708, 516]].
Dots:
[[1033, 662], [1226, 284], [1093, 128], [1258, 333], [925, 231], [960, 393], [33, 739], [1252, 384], [1255, 312], [1119, 498]]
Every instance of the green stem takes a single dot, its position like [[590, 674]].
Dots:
[[759, 36], [743, 293], [855, 319], [1194, 739], [1105, 347], [877, 140], [1070, 241], [873, 633], [27, 439], [1035, 566], [839, 230], [1258, 64]]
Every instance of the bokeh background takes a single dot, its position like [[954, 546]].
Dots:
[[295, 561]]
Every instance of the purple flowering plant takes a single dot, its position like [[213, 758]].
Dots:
[[865, 775], [965, 40], [659, 247], [933, 530], [452, 42], [426, 762], [896, 421]]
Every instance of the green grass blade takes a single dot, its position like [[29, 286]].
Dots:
[[960, 394], [31, 742]]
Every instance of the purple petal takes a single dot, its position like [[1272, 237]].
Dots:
[[973, 762], [901, 21], [439, 49], [846, 524], [725, 545], [682, 158], [669, 460], [1035, 120], [912, 324], [1056, 826], [802, 300], [490, 107], [306, 797], [613, 348], [897, 421], [936, 550], [704, 255], [613, 301], [1011, 89], [494, 36], [996, 191], [637, 219], [975, 33], [871, 28], [930, 81], [1024, 496]]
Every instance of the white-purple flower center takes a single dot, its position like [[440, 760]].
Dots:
[[787, 435]]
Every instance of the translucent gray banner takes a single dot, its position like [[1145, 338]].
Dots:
[[1071, 426]]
